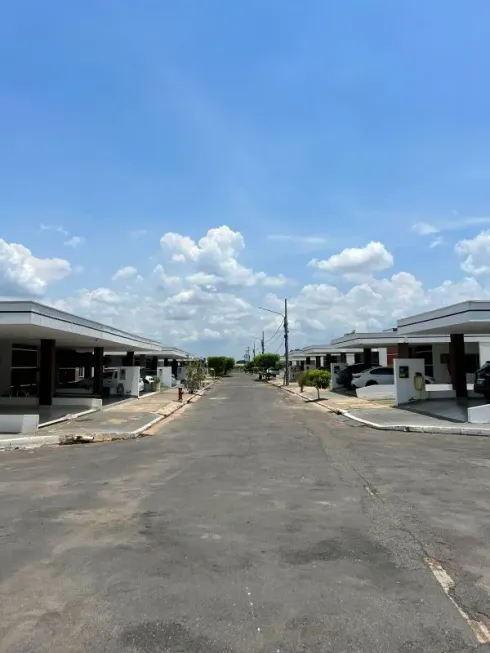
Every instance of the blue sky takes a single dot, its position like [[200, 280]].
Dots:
[[306, 130]]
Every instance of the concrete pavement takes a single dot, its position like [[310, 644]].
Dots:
[[250, 524], [383, 415], [119, 421]]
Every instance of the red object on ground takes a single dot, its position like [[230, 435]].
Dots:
[[181, 394]]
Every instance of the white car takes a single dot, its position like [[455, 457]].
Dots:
[[141, 385], [378, 376]]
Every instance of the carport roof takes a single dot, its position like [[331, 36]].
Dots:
[[383, 339], [393, 338], [28, 322], [471, 317], [320, 350], [162, 352]]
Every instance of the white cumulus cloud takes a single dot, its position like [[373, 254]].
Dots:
[[356, 262], [214, 259], [23, 274], [125, 273], [476, 253]]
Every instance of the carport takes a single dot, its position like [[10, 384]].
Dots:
[[166, 362], [316, 356], [434, 349], [39, 344], [459, 324]]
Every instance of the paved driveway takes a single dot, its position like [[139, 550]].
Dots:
[[252, 523]]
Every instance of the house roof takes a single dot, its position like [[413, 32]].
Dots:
[[29, 322]]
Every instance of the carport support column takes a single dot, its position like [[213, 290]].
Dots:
[[403, 350], [98, 370], [129, 362], [458, 365], [47, 372], [318, 362], [367, 356]]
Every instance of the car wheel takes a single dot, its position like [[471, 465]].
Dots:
[[371, 383], [120, 390]]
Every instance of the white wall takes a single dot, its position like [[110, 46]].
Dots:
[[165, 376], [441, 371], [484, 351], [5, 365], [405, 390], [19, 423], [383, 356], [131, 381]]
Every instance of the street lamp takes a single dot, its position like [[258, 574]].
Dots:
[[286, 336]]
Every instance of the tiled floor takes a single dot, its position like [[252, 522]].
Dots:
[[448, 409]]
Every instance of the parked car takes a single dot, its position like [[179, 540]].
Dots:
[[344, 377], [379, 376], [482, 381], [86, 384], [111, 381]]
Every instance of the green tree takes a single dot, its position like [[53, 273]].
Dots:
[[195, 376], [229, 365], [221, 365], [319, 379], [265, 361]]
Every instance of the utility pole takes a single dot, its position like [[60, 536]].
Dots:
[[254, 348], [286, 342], [262, 342], [286, 336]]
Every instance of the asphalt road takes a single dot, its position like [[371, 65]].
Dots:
[[250, 523]]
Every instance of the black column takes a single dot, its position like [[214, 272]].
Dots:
[[129, 359], [367, 356], [458, 365], [98, 370], [47, 372], [165, 362], [318, 362], [343, 357], [87, 366], [174, 365]]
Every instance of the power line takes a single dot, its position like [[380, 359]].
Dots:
[[280, 347], [279, 335], [277, 331]]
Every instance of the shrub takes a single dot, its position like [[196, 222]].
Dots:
[[301, 380]]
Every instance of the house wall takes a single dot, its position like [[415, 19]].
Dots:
[[484, 351]]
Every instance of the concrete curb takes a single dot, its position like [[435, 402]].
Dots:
[[28, 442], [407, 428], [67, 417], [36, 441]]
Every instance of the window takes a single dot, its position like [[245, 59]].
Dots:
[[383, 371]]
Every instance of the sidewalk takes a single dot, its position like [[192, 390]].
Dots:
[[382, 415], [130, 419]]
